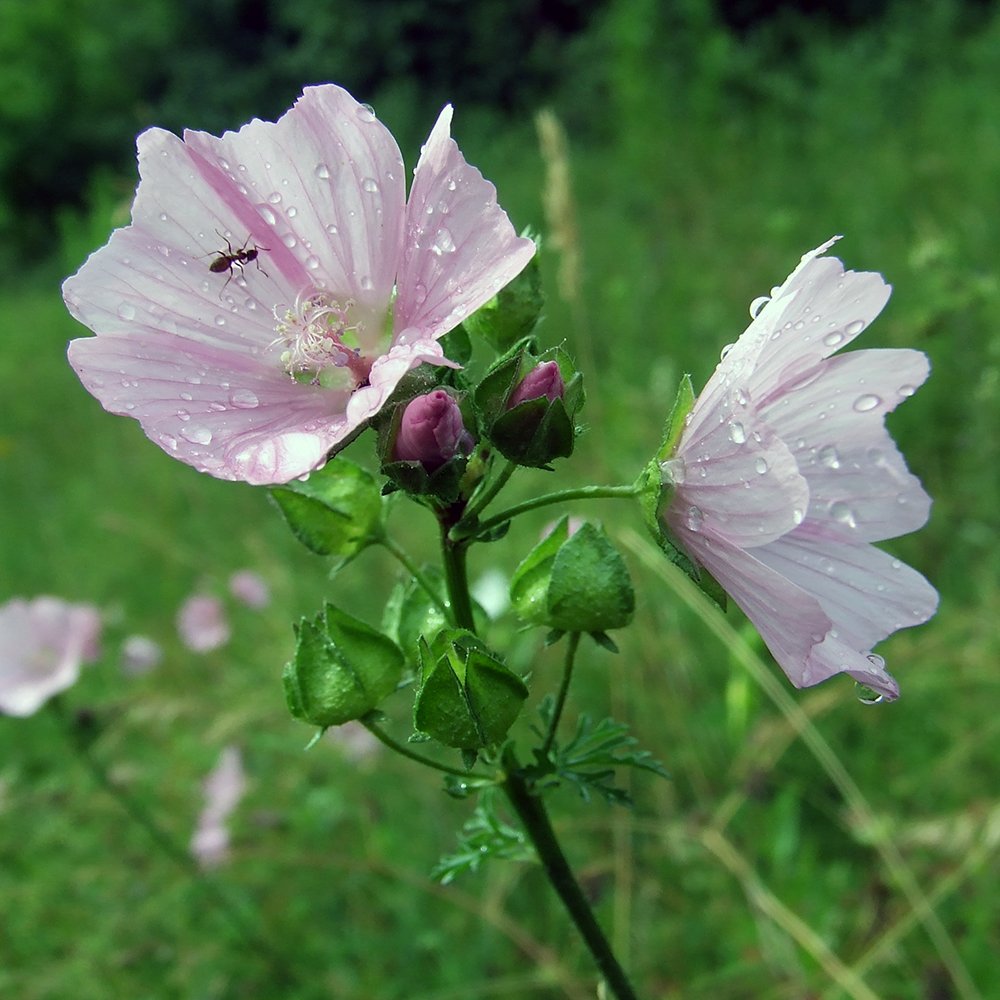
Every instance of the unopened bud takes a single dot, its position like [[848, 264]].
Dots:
[[544, 379], [431, 431]]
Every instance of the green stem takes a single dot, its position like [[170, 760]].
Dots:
[[391, 545], [456, 574], [574, 642], [381, 735], [481, 501], [169, 846], [536, 822], [560, 496]]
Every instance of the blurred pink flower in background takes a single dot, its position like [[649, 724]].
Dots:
[[223, 787], [785, 474], [250, 588], [275, 283], [202, 623], [140, 655], [356, 743], [43, 643]]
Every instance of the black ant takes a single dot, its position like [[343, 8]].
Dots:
[[231, 258]]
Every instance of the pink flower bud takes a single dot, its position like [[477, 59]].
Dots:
[[431, 431], [543, 380]]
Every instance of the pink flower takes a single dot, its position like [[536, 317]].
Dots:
[[785, 474], [275, 283], [544, 379], [43, 643], [250, 588], [202, 623], [224, 787]]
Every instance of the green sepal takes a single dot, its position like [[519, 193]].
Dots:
[[411, 612], [336, 512], [575, 583], [467, 699], [341, 670], [683, 404], [512, 313]]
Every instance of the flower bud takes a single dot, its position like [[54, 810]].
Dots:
[[432, 431], [544, 379]]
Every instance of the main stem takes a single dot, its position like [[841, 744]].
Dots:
[[527, 805], [531, 811]]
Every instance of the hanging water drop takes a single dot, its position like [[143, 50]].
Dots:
[[737, 432], [758, 304], [866, 402]]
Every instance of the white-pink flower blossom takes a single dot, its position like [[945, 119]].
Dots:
[[785, 474], [43, 643], [224, 786], [250, 588], [275, 284], [202, 623]]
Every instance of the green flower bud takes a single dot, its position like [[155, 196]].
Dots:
[[342, 669]]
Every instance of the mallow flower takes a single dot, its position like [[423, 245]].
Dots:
[[276, 283], [43, 644], [784, 474]]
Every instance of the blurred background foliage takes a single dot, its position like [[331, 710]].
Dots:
[[707, 146]]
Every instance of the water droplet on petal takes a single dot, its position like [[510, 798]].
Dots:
[[366, 283], [758, 304], [725, 350], [322, 171], [370, 185], [833, 338], [673, 472], [187, 397], [267, 215], [761, 466], [737, 432], [420, 294], [839, 511], [854, 327], [443, 242], [274, 197], [126, 311], [798, 515], [365, 112], [829, 456], [866, 402], [907, 390], [244, 399], [694, 518], [197, 435], [312, 262], [867, 695], [289, 240]]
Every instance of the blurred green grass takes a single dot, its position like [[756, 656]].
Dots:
[[697, 184]]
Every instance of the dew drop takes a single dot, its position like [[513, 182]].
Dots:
[[126, 311], [761, 466], [197, 435], [220, 320], [758, 304], [673, 472], [163, 216], [322, 171], [169, 441], [244, 399], [420, 293], [833, 338], [312, 262], [829, 456], [183, 415], [907, 390], [187, 397], [443, 242], [854, 327], [332, 229], [839, 511], [737, 432], [867, 695], [267, 215], [694, 518], [725, 350], [365, 112], [798, 515], [274, 197], [370, 185], [366, 283], [866, 402]]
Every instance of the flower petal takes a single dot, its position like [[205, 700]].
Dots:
[[835, 427], [739, 478], [464, 247], [818, 309], [220, 410]]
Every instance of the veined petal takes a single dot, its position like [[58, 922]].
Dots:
[[323, 188], [790, 620], [740, 478], [818, 309], [220, 410], [461, 247], [835, 427]]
